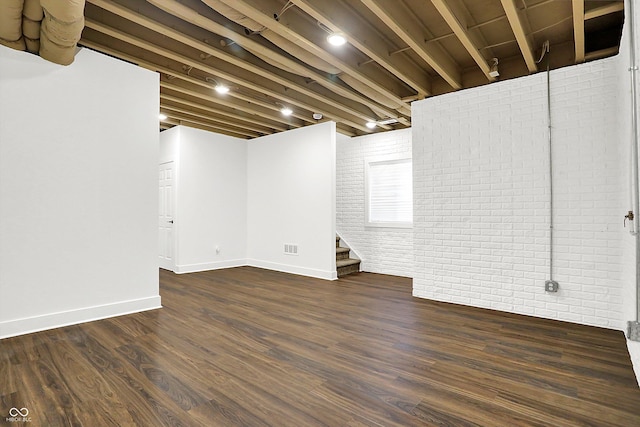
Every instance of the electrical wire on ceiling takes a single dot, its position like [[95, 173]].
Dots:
[[286, 7]]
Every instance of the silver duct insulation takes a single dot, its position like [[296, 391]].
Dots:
[[293, 49], [50, 28], [225, 8]]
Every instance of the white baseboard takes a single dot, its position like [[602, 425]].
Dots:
[[12, 328], [206, 266], [292, 269]]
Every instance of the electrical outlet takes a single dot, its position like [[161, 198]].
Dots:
[[551, 286], [633, 331]]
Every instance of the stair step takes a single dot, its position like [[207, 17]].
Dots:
[[347, 266], [342, 253], [346, 262]]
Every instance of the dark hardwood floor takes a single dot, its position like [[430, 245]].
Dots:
[[250, 347]]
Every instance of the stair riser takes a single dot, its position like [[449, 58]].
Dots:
[[342, 255], [343, 271]]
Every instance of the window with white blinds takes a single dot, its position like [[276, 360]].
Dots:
[[389, 193]]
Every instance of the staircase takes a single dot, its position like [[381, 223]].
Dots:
[[344, 264]]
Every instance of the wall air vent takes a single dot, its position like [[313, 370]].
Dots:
[[290, 249]]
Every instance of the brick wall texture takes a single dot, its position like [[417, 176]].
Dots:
[[482, 196], [382, 250]]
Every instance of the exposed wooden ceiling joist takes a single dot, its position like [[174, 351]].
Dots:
[[410, 32], [521, 37], [251, 123], [340, 19], [284, 81], [603, 10], [198, 124], [258, 11], [461, 32], [138, 42], [578, 29], [182, 113], [218, 113], [399, 51], [191, 16]]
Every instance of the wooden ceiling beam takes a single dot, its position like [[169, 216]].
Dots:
[[172, 109], [179, 120], [461, 33], [189, 15], [230, 118], [603, 10], [578, 29], [145, 22], [328, 109], [411, 33], [513, 16], [140, 43], [341, 20], [253, 9], [257, 111], [247, 122]]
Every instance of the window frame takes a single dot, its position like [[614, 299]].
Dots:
[[368, 162]]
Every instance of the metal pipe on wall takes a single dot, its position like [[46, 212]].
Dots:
[[633, 68]]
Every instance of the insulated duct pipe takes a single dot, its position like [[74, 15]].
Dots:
[[11, 24], [51, 28]]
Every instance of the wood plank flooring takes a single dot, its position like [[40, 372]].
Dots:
[[250, 347]]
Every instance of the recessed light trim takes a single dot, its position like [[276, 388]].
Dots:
[[162, 117], [371, 125], [222, 89], [286, 111], [336, 39]]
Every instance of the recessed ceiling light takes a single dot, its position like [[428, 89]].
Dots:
[[371, 125], [162, 117], [388, 121], [317, 116], [221, 89], [286, 111], [336, 39]]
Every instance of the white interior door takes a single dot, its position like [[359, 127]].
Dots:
[[165, 216]]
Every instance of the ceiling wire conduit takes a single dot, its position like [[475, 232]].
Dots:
[[179, 10], [299, 49]]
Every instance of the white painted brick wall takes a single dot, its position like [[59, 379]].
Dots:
[[481, 196], [628, 241], [383, 250]]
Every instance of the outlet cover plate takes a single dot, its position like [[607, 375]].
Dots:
[[551, 286], [633, 331]]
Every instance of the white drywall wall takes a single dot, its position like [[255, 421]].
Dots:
[[291, 200], [78, 190], [211, 217]]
